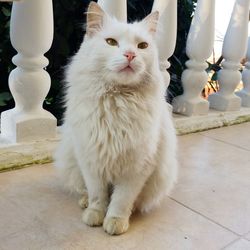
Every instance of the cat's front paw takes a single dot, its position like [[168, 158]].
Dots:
[[115, 225], [83, 202], [93, 217]]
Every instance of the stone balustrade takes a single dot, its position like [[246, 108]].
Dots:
[[31, 32], [117, 9], [199, 47], [244, 94], [234, 50], [166, 33]]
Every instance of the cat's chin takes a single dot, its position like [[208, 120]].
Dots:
[[127, 77], [127, 70]]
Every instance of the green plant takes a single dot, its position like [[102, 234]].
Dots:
[[6, 54], [212, 83]]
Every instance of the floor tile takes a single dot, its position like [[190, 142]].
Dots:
[[237, 135], [12, 219], [33, 237], [248, 236], [239, 245], [214, 181], [208, 209], [170, 227], [53, 221]]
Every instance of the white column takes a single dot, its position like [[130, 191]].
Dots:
[[199, 47], [31, 32], [166, 33], [115, 8], [244, 94], [234, 49]]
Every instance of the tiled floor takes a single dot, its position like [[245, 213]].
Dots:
[[209, 208]]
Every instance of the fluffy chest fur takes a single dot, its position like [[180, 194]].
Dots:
[[114, 126]]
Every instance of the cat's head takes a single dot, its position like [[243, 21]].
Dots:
[[122, 53]]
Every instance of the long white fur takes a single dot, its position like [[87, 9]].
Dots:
[[118, 130]]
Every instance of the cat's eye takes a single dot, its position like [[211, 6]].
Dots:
[[111, 42], [142, 45]]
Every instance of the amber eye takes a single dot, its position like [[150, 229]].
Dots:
[[111, 42], [142, 45]]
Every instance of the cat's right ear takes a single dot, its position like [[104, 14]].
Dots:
[[151, 21], [95, 19]]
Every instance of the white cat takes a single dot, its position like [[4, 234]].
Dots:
[[118, 145]]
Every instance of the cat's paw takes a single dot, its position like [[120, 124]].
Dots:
[[83, 202], [115, 225], [93, 217]]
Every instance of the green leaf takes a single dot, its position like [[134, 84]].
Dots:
[[4, 97], [214, 77], [6, 12], [7, 25], [49, 100]]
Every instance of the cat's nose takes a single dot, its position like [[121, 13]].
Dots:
[[130, 55]]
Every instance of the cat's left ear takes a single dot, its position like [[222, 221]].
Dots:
[[151, 21], [95, 18]]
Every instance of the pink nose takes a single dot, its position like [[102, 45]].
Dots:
[[130, 55]]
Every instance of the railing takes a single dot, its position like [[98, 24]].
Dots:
[[199, 47], [31, 32]]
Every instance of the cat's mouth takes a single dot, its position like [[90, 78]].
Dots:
[[127, 69]]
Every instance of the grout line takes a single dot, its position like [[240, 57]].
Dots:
[[228, 143], [234, 241], [204, 216], [244, 236], [229, 244]]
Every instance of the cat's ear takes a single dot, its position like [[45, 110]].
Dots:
[[151, 21], [95, 19]]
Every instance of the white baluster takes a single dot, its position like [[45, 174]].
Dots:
[[166, 33], [115, 8], [199, 47], [234, 49], [31, 31], [244, 94]]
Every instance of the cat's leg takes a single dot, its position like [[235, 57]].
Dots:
[[83, 202], [124, 195], [97, 188], [163, 177], [157, 187], [67, 166]]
